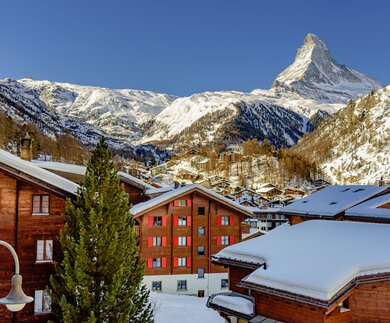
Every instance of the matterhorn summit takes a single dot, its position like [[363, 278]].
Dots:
[[316, 75]]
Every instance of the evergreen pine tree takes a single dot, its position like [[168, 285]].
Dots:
[[100, 276]]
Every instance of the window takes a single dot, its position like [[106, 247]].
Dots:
[[182, 220], [200, 272], [156, 263], [156, 241], [201, 211], [200, 231], [42, 302], [181, 285], [157, 221], [40, 204], [182, 262], [224, 283], [182, 241], [182, 202], [200, 251], [44, 250], [156, 285], [225, 220], [224, 240]]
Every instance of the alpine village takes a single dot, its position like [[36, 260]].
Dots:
[[241, 207]]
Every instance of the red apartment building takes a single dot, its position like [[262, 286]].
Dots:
[[179, 231]]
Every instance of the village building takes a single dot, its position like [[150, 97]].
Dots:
[[245, 195], [32, 203], [268, 218], [269, 191], [314, 271], [134, 187], [331, 202], [179, 231], [294, 192]]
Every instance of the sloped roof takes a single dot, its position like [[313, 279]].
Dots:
[[143, 207], [333, 200], [371, 208], [32, 173], [80, 170], [316, 273]]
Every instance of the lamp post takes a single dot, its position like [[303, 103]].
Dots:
[[16, 298]]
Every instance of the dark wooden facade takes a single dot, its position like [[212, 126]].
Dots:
[[22, 229], [209, 220]]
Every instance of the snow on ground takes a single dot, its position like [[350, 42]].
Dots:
[[183, 309]]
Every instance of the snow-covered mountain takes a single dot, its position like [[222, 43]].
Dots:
[[353, 146], [314, 86], [316, 75]]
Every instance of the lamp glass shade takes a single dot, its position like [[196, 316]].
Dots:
[[16, 298]]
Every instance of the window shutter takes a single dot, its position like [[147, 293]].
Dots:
[[219, 240], [175, 220], [150, 262], [175, 241], [40, 248], [176, 203], [175, 262], [164, 262], [188, 221], [150, 241], [164, 221], [218, 220], [231, 220], [189, 241], [164, 241], [231, 240], [189, 202], [150, 221], [188, 261]]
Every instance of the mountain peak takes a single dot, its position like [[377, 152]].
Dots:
[[316, 75]]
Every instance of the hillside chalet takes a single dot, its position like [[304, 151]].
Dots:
[[179, 231], [32, 203], [302, 273]]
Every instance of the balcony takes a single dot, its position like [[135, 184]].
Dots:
[[233, 304]]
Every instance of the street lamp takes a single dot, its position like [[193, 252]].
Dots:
[[16, 298]]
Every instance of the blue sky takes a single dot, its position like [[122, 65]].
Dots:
[[183, 47]]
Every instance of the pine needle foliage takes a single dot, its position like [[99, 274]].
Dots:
[[100, 276]]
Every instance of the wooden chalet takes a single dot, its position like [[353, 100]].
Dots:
[[134, 187], [179, 231], [332, 203], [303, 273], [32, 203]]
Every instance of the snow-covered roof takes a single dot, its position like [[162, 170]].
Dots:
[[371, 208], [17, 166], [333, 200], [145, 206], [234, 303], [159, 190], [322, 267], [80, 170]]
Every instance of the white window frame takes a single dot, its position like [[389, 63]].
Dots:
[[157, 286], [225, 240], [44, 251], [38, 207], [182, 221], [156, 262], [201, 273], [182, 262], [180, 283], [157, 241], [200, 228], [182, 203], [225, 220], [182, 241], [42, 302], [156, 222]]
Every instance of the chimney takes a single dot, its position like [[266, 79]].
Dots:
[[26, 148], [381, 182]]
